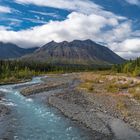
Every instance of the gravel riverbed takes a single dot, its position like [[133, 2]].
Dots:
[[96, 114]]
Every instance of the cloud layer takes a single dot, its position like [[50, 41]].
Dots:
[[86, 20], [134, 2], [76, 26], [4, 9], [85, 6]]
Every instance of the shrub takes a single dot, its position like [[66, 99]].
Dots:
[[112, 88], [88, 86]]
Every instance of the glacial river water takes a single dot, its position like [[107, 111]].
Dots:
[[31, 119]]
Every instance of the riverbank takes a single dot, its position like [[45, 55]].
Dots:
[[96, 111], [116, 95], [15, 81], [32, 117], [4, 115], [4, 110]]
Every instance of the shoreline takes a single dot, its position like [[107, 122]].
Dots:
[[78, 106], [95, 120], [76, 113], [4, 110], [91, 133], [15, 82]]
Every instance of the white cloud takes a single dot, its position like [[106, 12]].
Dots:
[[82, 6], [118, 34], [87, 21], [37, 19], [134, 2], [4, 9], [11, 21], [130, 45], [76, 26], [76, 5], [128, 48], [4, 28], [46, 14]]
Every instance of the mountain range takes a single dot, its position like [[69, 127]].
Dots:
[[11, 51], [76, 52]]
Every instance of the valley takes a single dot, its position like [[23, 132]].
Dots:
[[100, 109], [84, 85], [69, 70]]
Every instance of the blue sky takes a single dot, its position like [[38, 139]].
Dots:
[[115, 23]]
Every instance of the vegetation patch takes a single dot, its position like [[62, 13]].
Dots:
[[111, 88], [121, 105], [135, 92], [131, 67], [87, 86]]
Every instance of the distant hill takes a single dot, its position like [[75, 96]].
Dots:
[[76, 52], [10, 51]]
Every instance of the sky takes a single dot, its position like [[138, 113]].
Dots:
[[32, 23]]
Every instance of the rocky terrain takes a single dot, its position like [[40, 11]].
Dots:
[[3, 109], [75, 52], [93, 102], [4, 116]]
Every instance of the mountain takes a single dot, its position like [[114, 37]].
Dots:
[[75, 52], [9, 51]]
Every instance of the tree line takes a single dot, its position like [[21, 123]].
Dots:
[[129, 67], [17, 69]]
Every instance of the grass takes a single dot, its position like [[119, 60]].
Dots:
[[123, 86], [121, 105], [88, 86], [135, 92], [12, 80], [111, 88], [114, 88], [105, 83]]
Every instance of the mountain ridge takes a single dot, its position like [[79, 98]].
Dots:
[[12, 51], [75, 52]]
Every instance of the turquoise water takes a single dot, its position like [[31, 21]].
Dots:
[[32, 120]]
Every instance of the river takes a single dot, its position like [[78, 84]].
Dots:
[[30, 119]]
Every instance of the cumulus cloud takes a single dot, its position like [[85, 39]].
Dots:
[[4, 27], [82, 6], [76, 5], [130, 45], [128, 48], [76, 26], [134, 2], [4, 9], [87, 20]]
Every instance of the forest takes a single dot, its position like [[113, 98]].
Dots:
[[17, 70], [131, 67]]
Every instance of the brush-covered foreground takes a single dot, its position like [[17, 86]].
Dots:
[[115, 93]]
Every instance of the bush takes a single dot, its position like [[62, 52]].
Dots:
[[112, 88]]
